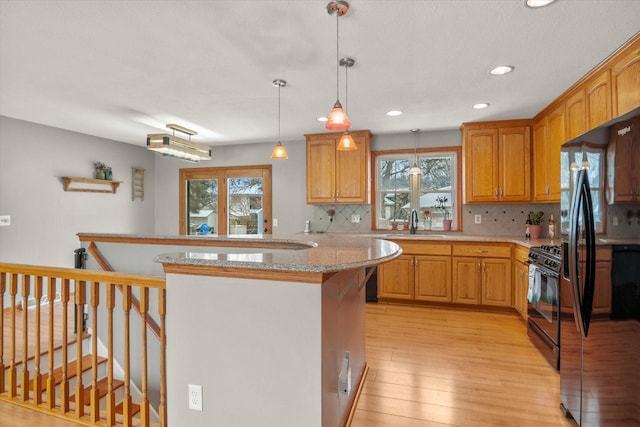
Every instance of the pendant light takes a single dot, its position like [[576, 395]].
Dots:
[[415, 170], [337, 119], [279, 152], [346, 142]]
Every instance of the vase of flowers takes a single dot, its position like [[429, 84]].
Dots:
[[441, 205], [102, 171], [426, 218]]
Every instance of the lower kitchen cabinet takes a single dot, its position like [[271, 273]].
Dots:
[[521, 281], [482, 279], [421, 273], [602, 292]]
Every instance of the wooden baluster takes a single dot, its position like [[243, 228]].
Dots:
[[126, 399], [111, 398], [162, 310], [95, 393], [13, 380], [79, 394], [24, 377], [64, 383], [37, 377], [51, 382], [144, 403], [3, 287]]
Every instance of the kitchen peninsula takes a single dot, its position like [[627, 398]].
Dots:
[[264, 325]]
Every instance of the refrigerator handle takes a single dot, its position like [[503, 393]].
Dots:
[[590, 270], [574, 216]]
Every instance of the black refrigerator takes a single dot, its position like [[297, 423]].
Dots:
[[599, 354]]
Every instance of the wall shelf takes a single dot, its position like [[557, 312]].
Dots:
[[93, 187]]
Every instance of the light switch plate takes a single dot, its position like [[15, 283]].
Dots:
[[5, 220]]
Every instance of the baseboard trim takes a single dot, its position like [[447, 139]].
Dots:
[[356, 398]]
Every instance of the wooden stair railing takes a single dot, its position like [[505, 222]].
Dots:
[[44, 386]]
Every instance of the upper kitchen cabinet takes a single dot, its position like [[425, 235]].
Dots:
[[338, 176], [576, 114], [548, 136], [598, 99], [625, 79], [623, 162], [497, 161]]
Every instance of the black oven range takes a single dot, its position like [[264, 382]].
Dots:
[[543, 311]]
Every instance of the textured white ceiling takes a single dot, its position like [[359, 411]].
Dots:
[[123, 69]]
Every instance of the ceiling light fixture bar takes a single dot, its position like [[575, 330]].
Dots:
[[180, 148]]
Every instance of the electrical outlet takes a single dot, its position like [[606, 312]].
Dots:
[[5, 220], [478, 219], [615, 221], [195, 397], [355, 218], [275, 222]]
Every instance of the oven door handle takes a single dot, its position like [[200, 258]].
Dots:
[[546, 270]]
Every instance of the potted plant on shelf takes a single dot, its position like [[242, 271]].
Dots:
[[102, 171], [441, 205], [426, 215], [536, 224]]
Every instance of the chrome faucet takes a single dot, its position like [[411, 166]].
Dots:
[[414, 222]]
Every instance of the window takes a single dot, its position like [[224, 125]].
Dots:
[[235, 200], [572, 159], [397, 193]]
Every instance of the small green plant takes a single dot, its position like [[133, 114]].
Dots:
[[536, 217], [441, 205]]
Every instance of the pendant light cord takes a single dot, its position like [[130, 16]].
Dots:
[[279, 87], [337, 55]]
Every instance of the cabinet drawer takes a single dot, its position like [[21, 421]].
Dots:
[[423, 248], [482, 251], [521, 254]]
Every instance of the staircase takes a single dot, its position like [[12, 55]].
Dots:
[[78, 380]]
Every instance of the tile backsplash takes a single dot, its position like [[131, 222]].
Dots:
[[497, 220]]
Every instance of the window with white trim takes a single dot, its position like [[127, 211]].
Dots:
[[397, 192]]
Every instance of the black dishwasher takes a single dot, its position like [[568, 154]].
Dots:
[[625, 282]]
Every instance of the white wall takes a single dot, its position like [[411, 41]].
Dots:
[[44, 218]]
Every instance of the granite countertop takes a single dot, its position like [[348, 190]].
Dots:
[[317, 253]]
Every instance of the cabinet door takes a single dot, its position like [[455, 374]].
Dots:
[[521, 288], [514, 149], [395, 278], [556, 135], [433, 278], [623, 159], [602, 292], [625, 81], [466, 280], [576, 113], [540, 188], [481, 165], [496, 282], [352, 172], [321, 170], [598, 100]]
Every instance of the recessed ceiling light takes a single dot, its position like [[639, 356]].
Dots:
[[537, 3], [502, 69], [322, 119], [480, 105], [394, 113]]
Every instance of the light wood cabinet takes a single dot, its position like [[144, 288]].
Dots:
[[625, 80], [598, 99], [549, 135], [421, 273], [497, 161], [520, 280], [484, 278], [623, 162], [576, 114], [338, 176]]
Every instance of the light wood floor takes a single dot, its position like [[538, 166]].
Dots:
[[443, 367], [433, 367]]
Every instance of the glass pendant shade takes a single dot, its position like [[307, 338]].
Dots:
[[347, 143], [279, 152], [415, 170], [338, 119]]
